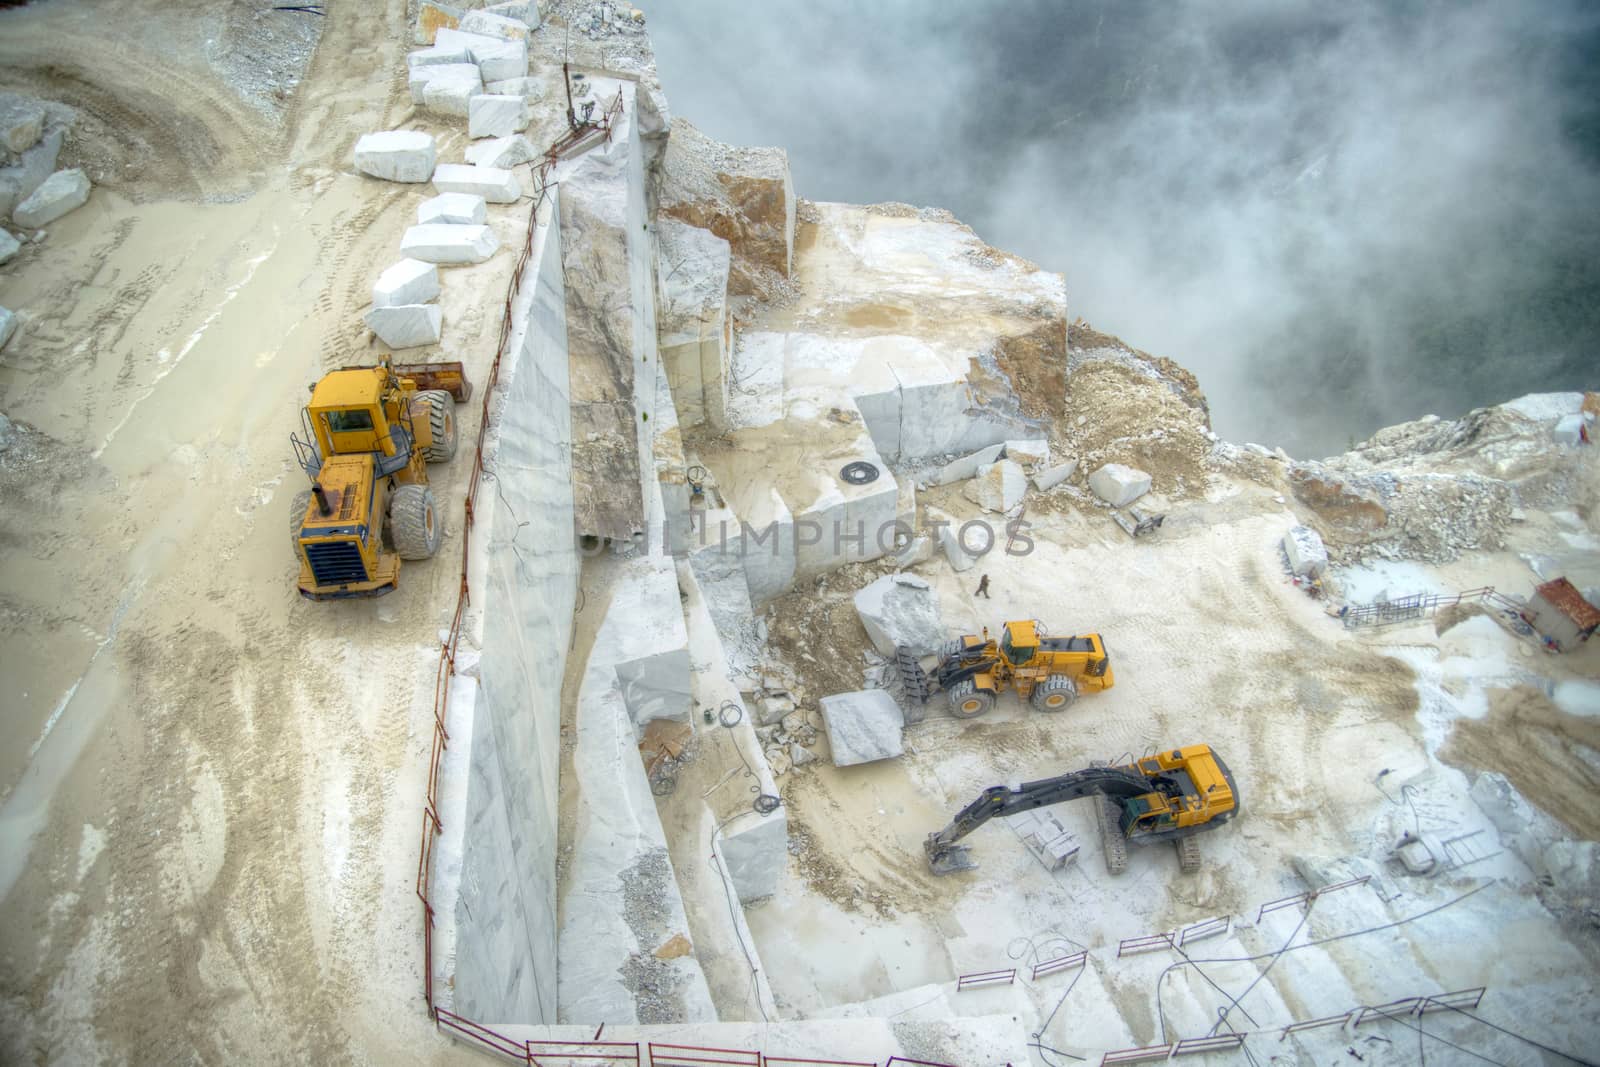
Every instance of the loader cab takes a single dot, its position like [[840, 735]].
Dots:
[[1019, 642], [347, 413]]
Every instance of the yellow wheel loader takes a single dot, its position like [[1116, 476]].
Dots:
[[369, 434], [972, 671], [1170, 796]]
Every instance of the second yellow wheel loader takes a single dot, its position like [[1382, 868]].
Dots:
[[972, 671]]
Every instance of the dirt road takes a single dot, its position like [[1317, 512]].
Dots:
[[209, 789]]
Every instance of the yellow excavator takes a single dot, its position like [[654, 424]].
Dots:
[[369, 434], [972, 670], [1170, 796]]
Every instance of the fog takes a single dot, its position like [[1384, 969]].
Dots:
[[1338, 216]]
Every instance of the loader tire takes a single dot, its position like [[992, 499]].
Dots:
[[414, 522], [967, 701], [1055, 693], [297, 517], [441, 408]]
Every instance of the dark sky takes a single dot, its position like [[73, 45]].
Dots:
[[1339, 215]]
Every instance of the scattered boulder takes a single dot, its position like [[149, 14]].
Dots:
[[496, 116], [1308, 557], [9, 246], [21, 123], [432, 17], [449, 244], [1569, 429], [800, 755], [901, 609], [1028, 452], [863, 726], [410, 281], [773, 708], [527, 88], [63, 191], [35, 164], [396, 155], [959, 470], [454, 209], [920, 550], [451, 94], [496, 57], [950, 541], [407, 325], [8, 325], [778, 760], [434, 56], [502, 152], [1051, 477], [1500, 802], [463, 77], [491, 24], [1119, 485], [526, 11], [998, 487], [492, 183]]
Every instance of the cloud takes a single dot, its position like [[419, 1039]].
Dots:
[[1339, 216]]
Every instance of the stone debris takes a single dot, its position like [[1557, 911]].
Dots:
[[1028, 452], [406, 325], [454, 79], [459, 209], [410, 281], [62, 192], [1051, 477], [800, 755], [901, 609], [396, 155], [863, 726], [9, 246], [449, 244], [501, 152], [496, 116], [919, 550], [33, 165], [21, 123], [998, 487], [494, 184], [959, 470], [1308, 558], [493, 25], [8, 325], [1119, 485]]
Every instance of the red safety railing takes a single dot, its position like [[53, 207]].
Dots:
[[431, 823], [1057, 965], [550, 1053], [985, 978], [1307, 897], [701, 1056], [816, 1063]]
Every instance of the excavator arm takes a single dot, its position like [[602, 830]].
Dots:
[[946, 856]]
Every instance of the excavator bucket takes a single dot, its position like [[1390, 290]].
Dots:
[[948, 859]]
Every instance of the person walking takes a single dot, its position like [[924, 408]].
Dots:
[[983, 588]]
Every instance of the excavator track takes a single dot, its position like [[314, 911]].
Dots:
[[1188, 854], [1109, 814]]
